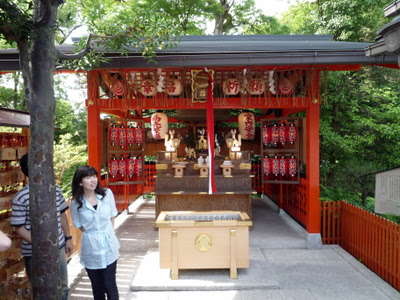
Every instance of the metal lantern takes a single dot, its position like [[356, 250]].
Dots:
[[113, 134], [256, 86], [122, 136], [122, 166], [231, 86], [130, 163], [292, 166], [173, 87], [285, 87], [118, 87], [283, 134], [159, 125], [283, 166], [275, 166], [267, 165], [275, 134], [148, 87], [266, 135], [292, 134], [130, 135], [247, 125], [139, 135], [113, 167]]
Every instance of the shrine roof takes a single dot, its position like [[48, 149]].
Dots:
[[236, 51]]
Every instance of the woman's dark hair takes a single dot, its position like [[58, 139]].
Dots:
[[77, 189]]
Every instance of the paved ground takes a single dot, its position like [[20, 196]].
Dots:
[[280, 266]]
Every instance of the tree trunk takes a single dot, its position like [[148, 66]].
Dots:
[[45, 279], [220, 19]]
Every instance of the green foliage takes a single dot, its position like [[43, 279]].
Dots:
[[360, 126], [346, 20], [67, 157]]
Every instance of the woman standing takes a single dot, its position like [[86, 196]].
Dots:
[[93, 211]]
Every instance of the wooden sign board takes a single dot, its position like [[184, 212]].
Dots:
[[387, 192]]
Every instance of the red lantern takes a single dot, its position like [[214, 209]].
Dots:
[[113, 167], [148, 87], [285, 87], [275, 134], [267, 165], [292, 135], [138, 167], [256, 86], [139, 135], [292, 166], [113, 134], [130, 135], [283, 134], [231, 86], [122, 136], [247, 125], [118, 88], [283, 166], [159, 125], [266, 135], [275, 166], [122, 167], [130, 163], [173, 87]]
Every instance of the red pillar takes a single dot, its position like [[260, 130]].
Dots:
[[93, 121], [313, 223]]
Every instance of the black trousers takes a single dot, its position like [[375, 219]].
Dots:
[[104, 282]]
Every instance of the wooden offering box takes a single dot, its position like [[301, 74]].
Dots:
[[203, 240]]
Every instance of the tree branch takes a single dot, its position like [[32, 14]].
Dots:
[[46, 16], [90, 41]]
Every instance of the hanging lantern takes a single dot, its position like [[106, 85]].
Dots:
[[118, 87], [283, 134], [122, 136], [138, 167], [122, 167], [139, 135], [130, 135], [173, 86], [275, 166], [113, 167], [256, 86], [113, 134], [267, 165], [275, 134], [285, 87], [148, 87], [247, 125], [292, 135], [283, 166], [130, 163], [292, 166], [159, 125], [231, 86], [266, 135]]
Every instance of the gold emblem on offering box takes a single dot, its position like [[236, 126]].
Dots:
[[161, 166], [203, 242], [245, 166]]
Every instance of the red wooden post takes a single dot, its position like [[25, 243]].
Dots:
[[93, 120], [313, 219]]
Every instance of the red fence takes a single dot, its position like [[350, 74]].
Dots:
[[370, 238]]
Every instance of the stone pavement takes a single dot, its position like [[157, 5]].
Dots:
[[280, 266]]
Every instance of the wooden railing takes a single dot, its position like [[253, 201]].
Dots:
[[371, 239]]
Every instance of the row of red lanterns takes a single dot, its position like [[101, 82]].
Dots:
[[280, 165], [231, 87], [125, 136], [282, 134], [129, 166]]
